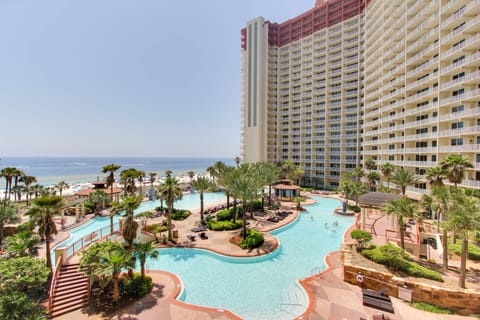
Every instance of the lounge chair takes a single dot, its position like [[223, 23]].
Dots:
[[199, 229], [378, 300], [203, 236], [259, 213], [191, 237], [273, 219]]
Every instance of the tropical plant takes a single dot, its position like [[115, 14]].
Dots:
[[170, 191], [110, 169], [127, 178], [17, 174], [404, 178], [42, 213], [99, 199], [387, 169], [358, 174], [464, 218], [370, 164], [22, 244], [141, 179], [361, 236], [202, 185], [8, 214], [296, 174], [142, 251], [345, 186], [8, 173], [270, 173], [144, 216], [455, 166], [130, 226], [402, 208], [435, 176], [113, 262], [28, 181], [62, 185], [190, 175], [237, 160], [373, 177]]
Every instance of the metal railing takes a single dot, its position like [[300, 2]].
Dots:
[[103, 233], [58, 267]]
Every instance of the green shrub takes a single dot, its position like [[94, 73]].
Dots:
[[255, 205], [136, 287], [397, 260], [430, 308], [354, 208], [473, 249], [254, 240], [225, 215], [180, 214], [223, 225], [156, 228], [361, 236], [159, 208]]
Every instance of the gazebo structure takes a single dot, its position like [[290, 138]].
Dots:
[[286, 191], [100, 185], [374, 200]]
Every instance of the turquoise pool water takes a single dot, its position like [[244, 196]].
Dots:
[[263, 287]]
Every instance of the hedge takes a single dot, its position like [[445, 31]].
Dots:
[[473, 249], [254, 240], [223, 225]]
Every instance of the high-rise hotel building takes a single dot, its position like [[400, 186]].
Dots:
[[397, 81]]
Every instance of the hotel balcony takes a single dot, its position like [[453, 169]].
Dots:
[[469, 78], [471, 130], [470, 95], [459, 115], [463, 148]]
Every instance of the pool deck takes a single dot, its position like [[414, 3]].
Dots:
[[330, 296]]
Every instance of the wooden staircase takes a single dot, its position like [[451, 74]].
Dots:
[[71, 291]]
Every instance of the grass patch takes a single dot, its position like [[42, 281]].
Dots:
[[397, 260], [430, 308], [473, 249]]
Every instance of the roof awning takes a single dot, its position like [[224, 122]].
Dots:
[[376, 199]]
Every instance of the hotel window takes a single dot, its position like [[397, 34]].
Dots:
[[457, 108], [456, 142], [457, 125], [391, 158]]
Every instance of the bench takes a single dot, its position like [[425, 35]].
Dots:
[[377, 295], [378, 303]]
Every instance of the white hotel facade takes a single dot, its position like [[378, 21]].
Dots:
[[393, 80]]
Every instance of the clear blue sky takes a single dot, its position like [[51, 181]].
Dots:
[[125, 77]]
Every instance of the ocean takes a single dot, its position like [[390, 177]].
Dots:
[[74, 170]]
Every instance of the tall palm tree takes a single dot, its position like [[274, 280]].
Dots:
[[152, 178], [455, 166], [129, 231], [402, 208], [141, 178], [358, 174], [287, 167], [8, 174], [373, 177], [246, 186], [62, 185], [142, 251], [113, 262], [16, 176], [99, 199], [28, 181], [114, 209], [387, 169], [168, 173], [270, 173], [171, 191], [8, 214], [296, 174], [224, 176], [404, 178], [464, 218], [201, 185], [110, 169], [435, 176], [127, 178], [190, 175], [42, 213], [345, 186], [370, 164], [237, 161]]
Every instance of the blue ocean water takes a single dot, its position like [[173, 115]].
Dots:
[[51, 170]]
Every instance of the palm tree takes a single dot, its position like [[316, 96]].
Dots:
[[190, 175], [99, 199], [435, 176], [142, 251], [246, 186], [22, 244], [370, 164], [43, 212], [170, 191], [464, 218], [402, 208], [62, 185], [201, 185], [168, 173], [114, 209], [8, 174], [140, 178], [130, 226], [345, 186], [8, 214], [404, 178], [287, 167], [110, 168], [270, 173], [387, 170], [296, 174], [358, 174], [455, 166], [127, 178], [224, 177], [442, 205], [237, 161], [16, 175], [357, 189], [27, 181], [373, 177], [113, 262]]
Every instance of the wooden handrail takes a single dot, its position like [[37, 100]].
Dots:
[[58, 267]]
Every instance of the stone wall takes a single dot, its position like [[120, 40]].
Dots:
[[463, 301]]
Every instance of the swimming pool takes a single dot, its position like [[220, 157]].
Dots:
[[188, 201], [263, 287]]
